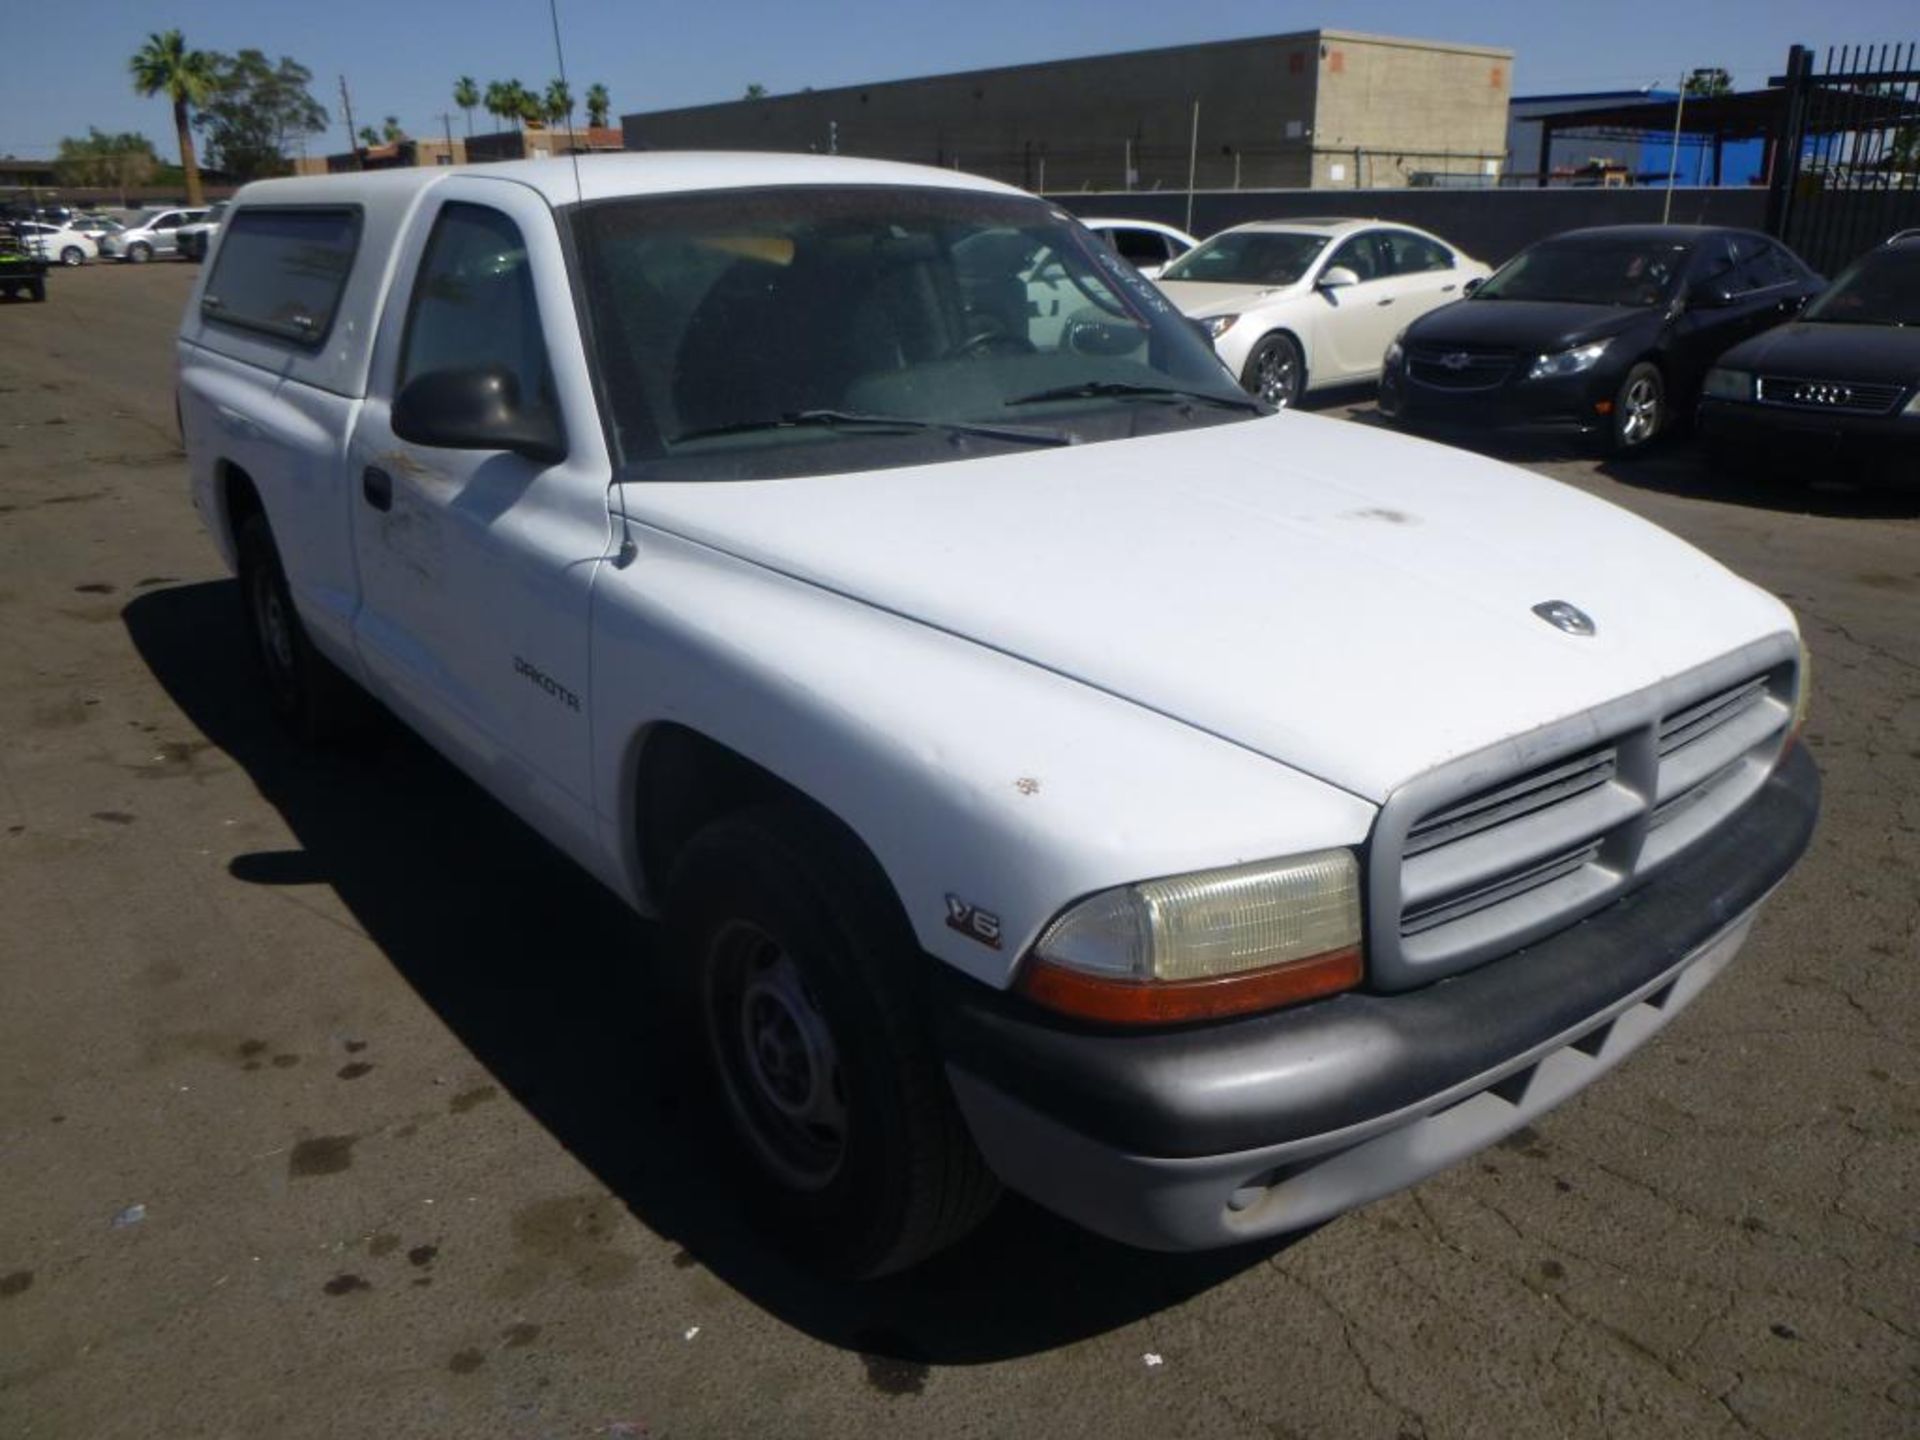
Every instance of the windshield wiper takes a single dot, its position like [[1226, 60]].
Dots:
[[1096, 388], [837, 419]]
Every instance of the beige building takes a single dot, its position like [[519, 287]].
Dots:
[[1326, 109]]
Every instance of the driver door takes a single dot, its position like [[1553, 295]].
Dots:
[[1357, 322], [476, 566]]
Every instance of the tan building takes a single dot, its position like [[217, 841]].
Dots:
[[1326, 109]]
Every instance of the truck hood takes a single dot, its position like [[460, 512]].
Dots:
[[1349, 602]]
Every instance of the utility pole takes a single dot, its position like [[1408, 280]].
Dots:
[[1193, 161], [1673, 160], [353, 137], [446, 128]]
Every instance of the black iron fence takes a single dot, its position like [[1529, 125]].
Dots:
[[1847, 171]]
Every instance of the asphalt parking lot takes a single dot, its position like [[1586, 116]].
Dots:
[[325, 1106]]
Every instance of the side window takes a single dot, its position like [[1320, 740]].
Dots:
[[1360, 254], [167, 222], [473, 306], [1415, 254], [1763, 264], [282, 271], [1142, 247], [1713, 263]]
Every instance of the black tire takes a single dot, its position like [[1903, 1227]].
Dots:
[[1640, 415], [308, 693], [1275, 371], [793, 967], [73, 256], [139, 252], [37, 290]]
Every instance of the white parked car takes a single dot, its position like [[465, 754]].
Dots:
[[1300, 305], [59, 244], [154, 234], [1052, 767], [1147, 244]]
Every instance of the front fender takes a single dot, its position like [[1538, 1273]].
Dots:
[[967, 772]]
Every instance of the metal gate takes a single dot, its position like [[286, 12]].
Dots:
[[1846, 172]]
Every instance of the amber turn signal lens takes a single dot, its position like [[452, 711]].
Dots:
[[1170, 1002]]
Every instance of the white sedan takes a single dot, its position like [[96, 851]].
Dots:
[[58, 243], [1301, 305]]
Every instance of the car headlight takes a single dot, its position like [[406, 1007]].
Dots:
[[1728, 384], [1803, 693], [1567, 362], [1396, 351], [1215, 942], [1218, 325], [1913, 405]]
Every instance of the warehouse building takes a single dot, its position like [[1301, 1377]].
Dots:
[[1321, 109]]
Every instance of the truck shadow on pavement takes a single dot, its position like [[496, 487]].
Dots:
[[544, 977]]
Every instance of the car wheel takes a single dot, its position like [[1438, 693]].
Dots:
[[1275, 372], [1639, 409], [793, 970], [308, 693], [139, 252], [73, 255]]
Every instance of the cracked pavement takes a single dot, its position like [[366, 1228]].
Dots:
[[369, 1056]]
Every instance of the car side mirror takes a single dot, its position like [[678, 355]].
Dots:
[[1337, 277], [478, 408], [1472, 285]]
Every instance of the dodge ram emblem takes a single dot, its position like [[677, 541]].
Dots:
[[1562, 616]]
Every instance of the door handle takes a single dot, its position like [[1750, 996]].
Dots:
[[377, 486]]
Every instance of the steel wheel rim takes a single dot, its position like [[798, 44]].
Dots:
[[1641, 411], [779, 1063], [272, 626], [1274, 375]]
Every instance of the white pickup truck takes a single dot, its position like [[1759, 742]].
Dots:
[[1052, 768]]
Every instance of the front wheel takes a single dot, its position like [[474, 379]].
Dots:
[[1639, 409], [792, 967], [72, 255], [1275, 372], [139, 252]]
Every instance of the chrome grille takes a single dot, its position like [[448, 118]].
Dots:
[[1450, 368], [1498, 849], [1852, 397]]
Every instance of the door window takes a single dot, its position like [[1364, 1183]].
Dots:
[[1415, 254], [1141, 247], [1362, 255], [473, 306]]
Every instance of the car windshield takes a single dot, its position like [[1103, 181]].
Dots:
[[1882, 288], [744, 334], [1249, 257], [1591, 272]]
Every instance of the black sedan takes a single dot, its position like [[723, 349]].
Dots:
[[1847, 372], [1603, 332]]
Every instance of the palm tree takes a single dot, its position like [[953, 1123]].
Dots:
[[557, 105], [756, 91], [164, 64], [369, 136], [598, 104], [391, 131], [527, 104], [498, 103], [466, 95]]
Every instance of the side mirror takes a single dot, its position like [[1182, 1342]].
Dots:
[[1472, 285], [475, 409], [1336, 277]]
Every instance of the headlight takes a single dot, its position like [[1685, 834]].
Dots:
[[1803, 695], [1567, 362], [1396, 351], [1215, 942], [1913, 405], [1728, 384], [1218, 325]]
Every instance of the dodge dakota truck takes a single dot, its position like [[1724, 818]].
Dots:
[[1050, 768]]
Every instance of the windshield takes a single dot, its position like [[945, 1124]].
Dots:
[[1249, 257], [743, 334], [1882, 288], [1591, 272]]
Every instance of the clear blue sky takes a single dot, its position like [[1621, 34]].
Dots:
[[64, 67]]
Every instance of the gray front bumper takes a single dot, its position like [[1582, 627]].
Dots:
[[1205, 1137]]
